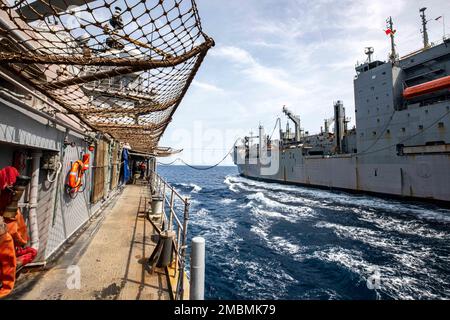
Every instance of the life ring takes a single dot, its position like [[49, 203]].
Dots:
[[76, 173], [76, 176]]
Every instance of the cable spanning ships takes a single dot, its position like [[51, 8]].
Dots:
[[400, 145]]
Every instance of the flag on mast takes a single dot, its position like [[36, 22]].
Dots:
[[389, 31]]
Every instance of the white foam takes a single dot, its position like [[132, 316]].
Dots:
[[412, 261], [336, 200], [290, 212], [286, 246], [261, 232], [276, 243], [200, 213], [382, 226], [195, 188], [409, 227], [227, 201], [371, 237]]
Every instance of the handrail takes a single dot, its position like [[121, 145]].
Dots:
[[171, 221]]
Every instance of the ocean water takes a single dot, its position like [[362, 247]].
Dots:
[[274, 241]]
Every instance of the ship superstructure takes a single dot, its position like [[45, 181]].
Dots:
[[400, 145], [87, 89]]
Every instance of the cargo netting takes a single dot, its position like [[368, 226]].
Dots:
[[122, 67]]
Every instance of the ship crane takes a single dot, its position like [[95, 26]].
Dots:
[[296, 120]]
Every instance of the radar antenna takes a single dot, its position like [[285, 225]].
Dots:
[[369, 52], [424, 28]]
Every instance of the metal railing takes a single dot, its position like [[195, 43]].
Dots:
[[173, 202]]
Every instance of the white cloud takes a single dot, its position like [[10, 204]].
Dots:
[[207, 86], [299, 53], [276, 78]]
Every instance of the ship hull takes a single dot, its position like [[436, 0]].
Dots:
[[421, 177]]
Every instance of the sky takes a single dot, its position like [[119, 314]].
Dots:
[[301, 54]]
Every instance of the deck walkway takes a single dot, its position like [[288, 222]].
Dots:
[[110, 254]]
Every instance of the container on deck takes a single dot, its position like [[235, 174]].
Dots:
[[157, 205]]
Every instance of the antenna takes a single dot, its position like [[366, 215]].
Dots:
[[390, 25], [369, 52], [424, 28]]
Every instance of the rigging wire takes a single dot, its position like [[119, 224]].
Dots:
[[201, 168], [276, 122], [170, 163]]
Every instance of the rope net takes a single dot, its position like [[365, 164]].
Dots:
[[121, 66]]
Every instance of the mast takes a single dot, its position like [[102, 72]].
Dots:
[[390, 26], [424, 28]]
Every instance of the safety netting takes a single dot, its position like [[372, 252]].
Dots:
[[121, 66]]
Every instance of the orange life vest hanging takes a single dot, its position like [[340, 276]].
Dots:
[[18, 229], [8, 262]]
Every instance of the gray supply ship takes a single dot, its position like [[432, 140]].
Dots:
[[400, 145]]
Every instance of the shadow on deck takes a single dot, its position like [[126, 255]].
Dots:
[[107, 261]]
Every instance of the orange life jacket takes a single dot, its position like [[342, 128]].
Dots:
[[85, 162], [18, 229], [8, 264]]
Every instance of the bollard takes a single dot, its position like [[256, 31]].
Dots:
[[162, 255], [166, 256], [197, 288]]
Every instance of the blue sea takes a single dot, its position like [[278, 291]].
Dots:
[[274, 241]]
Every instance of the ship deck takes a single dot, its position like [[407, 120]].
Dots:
[[109, 256]]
